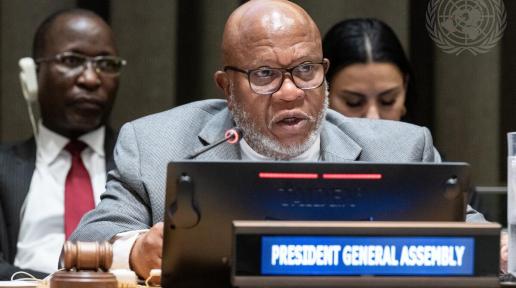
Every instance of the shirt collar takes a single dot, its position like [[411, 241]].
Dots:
[[313, 154], [50, 143], [95, 140]]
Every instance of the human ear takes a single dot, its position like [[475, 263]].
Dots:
[[326, 62], [222, 81]]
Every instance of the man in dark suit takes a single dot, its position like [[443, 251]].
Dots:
[[50, 180]]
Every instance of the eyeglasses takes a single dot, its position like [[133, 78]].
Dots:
[[108, 65], [266, 80]]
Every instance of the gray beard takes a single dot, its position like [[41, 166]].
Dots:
[[270, 147]]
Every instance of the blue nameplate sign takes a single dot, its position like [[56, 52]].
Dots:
[[379, 255]]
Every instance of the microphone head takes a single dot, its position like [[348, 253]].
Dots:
[[234, 135]]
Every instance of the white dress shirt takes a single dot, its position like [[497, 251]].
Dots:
[[41, 234], [123, 242]]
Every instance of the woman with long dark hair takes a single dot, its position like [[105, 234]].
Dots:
[[369, 74]]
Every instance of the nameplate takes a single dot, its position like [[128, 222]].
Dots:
[[323, 255], [360, 254]]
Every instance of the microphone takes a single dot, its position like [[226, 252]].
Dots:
[[232, 136]]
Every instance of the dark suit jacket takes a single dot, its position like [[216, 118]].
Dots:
[[17, 164]]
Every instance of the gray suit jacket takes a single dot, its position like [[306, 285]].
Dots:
[[17, 164], [135, 190]]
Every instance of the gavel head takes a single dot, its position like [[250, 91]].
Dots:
[[84, 256]]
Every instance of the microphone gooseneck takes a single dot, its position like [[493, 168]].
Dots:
[[232, 136]]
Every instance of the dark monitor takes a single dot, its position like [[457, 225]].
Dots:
[[203, 198]]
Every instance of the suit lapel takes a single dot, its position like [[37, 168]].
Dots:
[[214, 130], [337, 146], [109, 146], [25, 156], [19, 181]]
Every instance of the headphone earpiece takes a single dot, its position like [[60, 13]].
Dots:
[[28, 79], [29, 85]]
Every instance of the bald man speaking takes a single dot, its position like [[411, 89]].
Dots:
[[274, 81]]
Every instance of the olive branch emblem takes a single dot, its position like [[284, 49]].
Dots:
[[454, 45]]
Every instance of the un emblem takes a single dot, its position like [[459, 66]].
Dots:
[[466, 25]]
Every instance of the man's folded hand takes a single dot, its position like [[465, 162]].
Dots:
[[146, 253]]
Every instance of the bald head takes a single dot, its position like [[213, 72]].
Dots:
[[52, 25], [262, 22]]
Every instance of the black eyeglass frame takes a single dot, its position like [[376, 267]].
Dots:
[[87, 59], [323, 62]]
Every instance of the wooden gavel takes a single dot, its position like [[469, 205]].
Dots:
[[86, 264], [92, 256]]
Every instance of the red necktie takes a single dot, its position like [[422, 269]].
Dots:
[[78, 189]]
